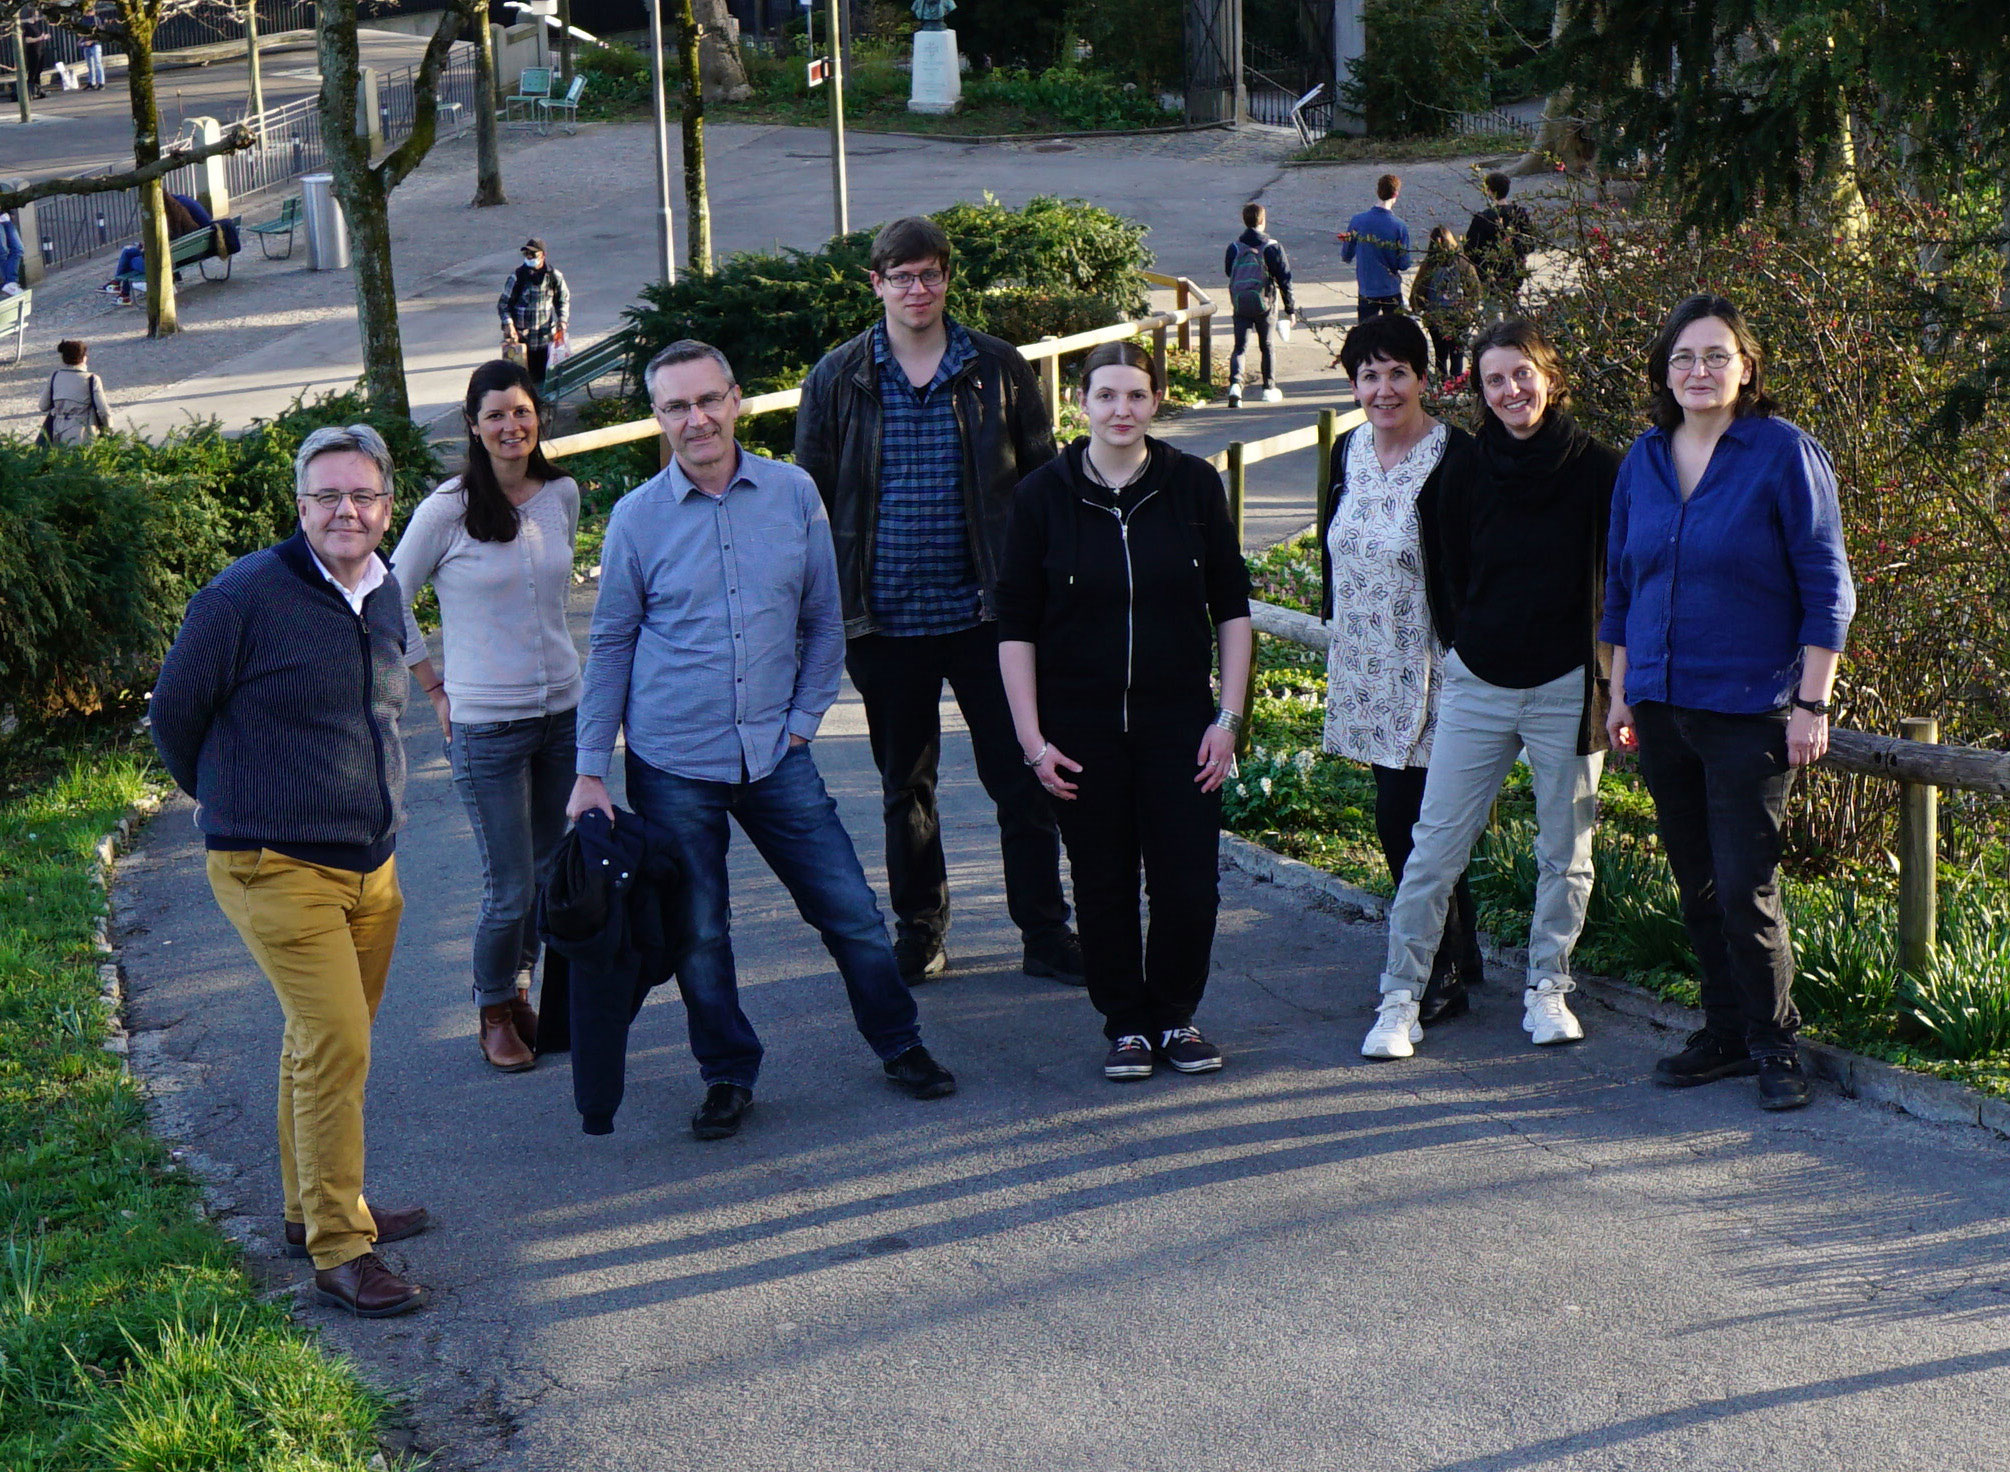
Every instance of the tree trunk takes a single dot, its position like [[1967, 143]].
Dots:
[[565, 40], [1852, 215], [1559, 137], [724, 73], [697, 212], [139, 27], [488, 143], [21, 72], [366, 204]]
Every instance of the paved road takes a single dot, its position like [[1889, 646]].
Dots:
[[1488, 1258]]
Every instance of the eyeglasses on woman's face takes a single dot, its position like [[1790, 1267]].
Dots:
[[1716, 360]]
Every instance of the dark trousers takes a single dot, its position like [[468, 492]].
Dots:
[[1720, 786], [900, 680], [1450, 351], [1137, 806], [1399, 799], [1378, 306], [534, 361], [1243, 327]]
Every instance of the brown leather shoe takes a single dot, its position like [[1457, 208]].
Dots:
[[524, 1016], [499, 1040], [394, 1225], [367, 1289]]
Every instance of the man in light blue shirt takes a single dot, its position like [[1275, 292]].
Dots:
[[717, 642], [1379, 246]]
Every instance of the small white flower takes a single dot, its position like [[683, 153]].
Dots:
[[1265, 784]]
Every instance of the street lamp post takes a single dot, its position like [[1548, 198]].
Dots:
[[840, 205], [665, 230]]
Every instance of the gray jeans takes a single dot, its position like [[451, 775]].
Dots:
[[1481, 729], [513, 777]]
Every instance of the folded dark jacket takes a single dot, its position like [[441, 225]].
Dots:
[[608, 913]]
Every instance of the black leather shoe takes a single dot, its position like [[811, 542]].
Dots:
[[1782, 1084], [1706, 1059], [1444, 999], [1058, 958], [920, 1074], [719, 1115], [920, 957]]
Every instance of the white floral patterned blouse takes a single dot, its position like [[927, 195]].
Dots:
[[1384, 666]]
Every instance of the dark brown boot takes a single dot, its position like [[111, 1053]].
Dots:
[[394, 1224], [367, 1289], [524, 1016], [499, 1040]]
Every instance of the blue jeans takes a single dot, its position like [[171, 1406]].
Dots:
[[794, 826], [11, 252], [513, 778], [94, 62]]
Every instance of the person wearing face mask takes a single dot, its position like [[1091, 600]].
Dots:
[[496, 543], [535, 308], [1121, 579], [1521, 538], [1383, 600]]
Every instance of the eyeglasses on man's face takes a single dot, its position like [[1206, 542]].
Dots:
[[707, 404], [908, 280], [363, 500], [1716, 360]]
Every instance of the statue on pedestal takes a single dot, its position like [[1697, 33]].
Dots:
[[931, 12]]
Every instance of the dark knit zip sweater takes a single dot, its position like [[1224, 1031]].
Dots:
[[277, 710]]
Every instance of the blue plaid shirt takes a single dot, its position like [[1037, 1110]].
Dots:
[[923, 578]]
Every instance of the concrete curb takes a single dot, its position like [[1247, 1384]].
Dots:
[[1920, 1095], [111, 983]]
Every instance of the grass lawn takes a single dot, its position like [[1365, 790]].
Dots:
[[1338, 149], [131, 1339]]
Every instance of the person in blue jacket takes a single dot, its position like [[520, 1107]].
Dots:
[[1728, 595], [1378, 246]]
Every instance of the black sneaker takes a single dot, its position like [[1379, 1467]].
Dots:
[[1185, 1049], [1706, 1059], [1444, 998], [919, 957], [719, 1115], [918, 1072], [1059, 958], [1130, 1056], [1782, 1084]]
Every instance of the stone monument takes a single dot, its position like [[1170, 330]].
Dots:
[[938, 79]]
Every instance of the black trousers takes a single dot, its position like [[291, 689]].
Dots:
[[900, 681], [1243, 327], [1399, 798], [1378, 306], [535, 360], [1720, 785], [1137, 807], [1450, 351]]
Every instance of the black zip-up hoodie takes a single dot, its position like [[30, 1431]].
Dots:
[[1120, 592]]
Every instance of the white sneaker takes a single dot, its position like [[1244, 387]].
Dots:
[[1546, 1017], [1273, 395], [1396, 1031], [1235, 396]]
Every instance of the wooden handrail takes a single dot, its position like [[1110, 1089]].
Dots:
[[1288, 443]]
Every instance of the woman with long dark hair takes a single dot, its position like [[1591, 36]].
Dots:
[[1727, 600], [1121, 580], [1521, 532], [496, 543]]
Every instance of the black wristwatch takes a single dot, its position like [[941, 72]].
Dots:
[[1813, 707]]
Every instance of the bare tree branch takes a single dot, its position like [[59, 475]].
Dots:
[[237, 139], [407, 156]]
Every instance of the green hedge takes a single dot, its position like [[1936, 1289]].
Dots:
[[100, 547]]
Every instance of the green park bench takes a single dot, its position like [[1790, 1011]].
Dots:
[[14, 313], [284, 223], [193, 249], [609, 355]]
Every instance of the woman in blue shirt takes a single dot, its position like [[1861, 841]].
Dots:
[[1728, 595]]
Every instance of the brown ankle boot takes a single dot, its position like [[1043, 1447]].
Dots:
[[525, 1017], [499, 1040]]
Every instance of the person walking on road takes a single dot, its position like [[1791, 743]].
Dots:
[[73, 400], [916, 433], [1446, 295], [277, 710], [1727, 601], [1378, 246], [1121, 578], [1382, 576], [1522, 537], [716, 645], [496, 543], [1259, 276], [535, 308]]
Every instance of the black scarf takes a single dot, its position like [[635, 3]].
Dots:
[[1530, 466]]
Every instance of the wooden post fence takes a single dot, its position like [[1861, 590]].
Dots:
[[1050, 380], [1918, 858]]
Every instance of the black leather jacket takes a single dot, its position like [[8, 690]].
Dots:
[[1006, 436]]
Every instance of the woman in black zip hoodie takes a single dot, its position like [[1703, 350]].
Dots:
[[1121, 574]]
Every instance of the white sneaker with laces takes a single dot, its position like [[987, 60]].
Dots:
[[1396, 1031], [1273, 395], [1235, 396], [1546, 1016]]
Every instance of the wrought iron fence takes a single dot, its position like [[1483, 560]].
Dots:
[[202, 25]]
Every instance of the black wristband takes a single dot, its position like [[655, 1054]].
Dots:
[[1813, 707]]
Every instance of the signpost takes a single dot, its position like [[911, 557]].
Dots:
[[840, 206]]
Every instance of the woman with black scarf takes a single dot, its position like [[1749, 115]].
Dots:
[[1523, 537]]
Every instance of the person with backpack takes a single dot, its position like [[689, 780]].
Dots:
[[1447, 295], [1258, 276], [1498, 241], [73, 400], [535, 309]]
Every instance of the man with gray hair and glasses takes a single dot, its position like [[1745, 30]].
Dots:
[[277, 711], [717, 643]]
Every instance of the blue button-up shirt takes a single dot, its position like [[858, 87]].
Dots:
[[717, 634], [1379, 246], [924, 580], [1715, 597]]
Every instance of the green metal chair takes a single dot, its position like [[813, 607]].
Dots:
[[550, 107], [520, 108]]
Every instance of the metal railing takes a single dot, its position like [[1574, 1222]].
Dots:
[[201, 25]]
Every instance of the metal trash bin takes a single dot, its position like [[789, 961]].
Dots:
[[327, 231]]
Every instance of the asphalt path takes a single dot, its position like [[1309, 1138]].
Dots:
[[1489, 1257]]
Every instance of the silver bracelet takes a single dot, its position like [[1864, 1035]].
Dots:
[[1039, 756], [1229, 721]]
